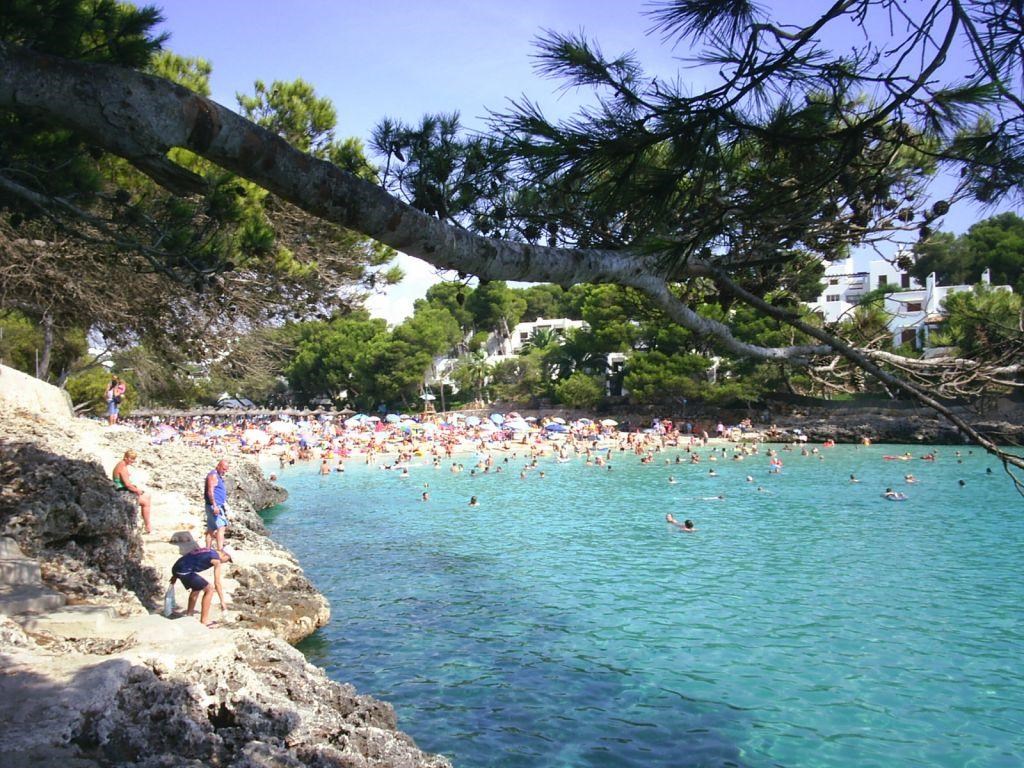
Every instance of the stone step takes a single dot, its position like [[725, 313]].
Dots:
[[19, 570], [9, 548], [73, 621], [25, 598]]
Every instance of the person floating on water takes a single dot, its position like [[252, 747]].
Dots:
[[686, 525], [892, 495]]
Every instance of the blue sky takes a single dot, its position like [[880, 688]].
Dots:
[[404, 58]]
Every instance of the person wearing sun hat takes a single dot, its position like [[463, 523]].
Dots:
[[187, 568]]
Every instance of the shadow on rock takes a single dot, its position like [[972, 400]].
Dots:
[[66, 513]]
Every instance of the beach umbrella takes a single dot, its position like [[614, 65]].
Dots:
[[488, 427], [555, 427], [255, 436], [472, 421], [164, 433], [372, 418], [584, 422], [497, 418], [392, 418], [281, 427], [530, 418], [516, 425], [558, 420], [609, 423]]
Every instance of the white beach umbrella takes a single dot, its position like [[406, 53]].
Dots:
[[281, 427], [609, 423], [255, 436]]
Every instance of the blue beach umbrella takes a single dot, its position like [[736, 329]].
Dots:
[[555, 427], [392, 418], [497, 418], [472, 421]]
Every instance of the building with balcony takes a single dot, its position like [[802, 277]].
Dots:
[[844, 285], [915, 314]]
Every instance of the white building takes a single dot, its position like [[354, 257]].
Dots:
[[501, 348], [913, 314], [844, 285]]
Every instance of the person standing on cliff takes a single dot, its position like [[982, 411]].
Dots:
[[216, 494], [123, 482], [187, 569], [113, 395]]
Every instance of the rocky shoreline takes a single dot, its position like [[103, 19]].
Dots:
[[92, 675]]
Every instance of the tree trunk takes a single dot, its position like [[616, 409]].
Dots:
[[43, 363]]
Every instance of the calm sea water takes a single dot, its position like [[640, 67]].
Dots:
[[562, 622]]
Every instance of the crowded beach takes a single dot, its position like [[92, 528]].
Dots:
[[391, 439]]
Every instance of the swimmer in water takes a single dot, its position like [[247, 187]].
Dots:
[[686, 525]]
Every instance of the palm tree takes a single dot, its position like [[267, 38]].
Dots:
[[474, 370], [576, 353], [543, 340]]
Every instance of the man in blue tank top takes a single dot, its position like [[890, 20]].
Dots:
[[187, 568], [216, 494]]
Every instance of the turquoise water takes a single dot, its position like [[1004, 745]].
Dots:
[[563, 623]]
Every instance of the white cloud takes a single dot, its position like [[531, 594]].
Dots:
[[395, 304]]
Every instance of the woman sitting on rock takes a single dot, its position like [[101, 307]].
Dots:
[[122, 482]]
